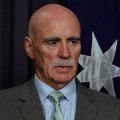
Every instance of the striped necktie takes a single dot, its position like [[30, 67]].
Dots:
[[55, 97]]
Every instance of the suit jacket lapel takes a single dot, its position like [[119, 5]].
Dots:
[[29, 103], [85, 108], [31, 109]]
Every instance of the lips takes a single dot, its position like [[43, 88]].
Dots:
[[62, 69]]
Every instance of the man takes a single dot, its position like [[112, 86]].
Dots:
[[54, 44]]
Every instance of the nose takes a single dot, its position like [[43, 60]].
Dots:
[[64, 51]]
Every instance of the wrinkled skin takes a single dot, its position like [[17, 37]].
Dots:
[[54, 35]]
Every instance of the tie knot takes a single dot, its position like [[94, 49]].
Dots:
[[56, 96]]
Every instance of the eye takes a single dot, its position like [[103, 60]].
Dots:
[[74, 42], [52, 42]]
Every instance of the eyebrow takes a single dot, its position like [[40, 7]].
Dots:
[[51, 39], [58, 39], [74, 38]]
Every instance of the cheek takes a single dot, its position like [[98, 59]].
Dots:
[[47, 62], [76, 54], [39, 57]]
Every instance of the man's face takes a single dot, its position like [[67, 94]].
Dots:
[[56, 49]]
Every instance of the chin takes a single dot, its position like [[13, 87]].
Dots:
[[63, 79]]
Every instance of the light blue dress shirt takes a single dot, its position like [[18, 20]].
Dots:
[[68, 105]]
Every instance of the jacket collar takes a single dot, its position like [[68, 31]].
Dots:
[[31, 108], [29, 103], [86, 109]]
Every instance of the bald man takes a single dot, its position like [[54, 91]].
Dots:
[[54, 43]]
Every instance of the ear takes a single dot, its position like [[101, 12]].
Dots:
[[28, 46]]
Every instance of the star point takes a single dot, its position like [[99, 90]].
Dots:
[[98, 68]]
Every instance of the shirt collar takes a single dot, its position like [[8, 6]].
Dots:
[[70, 91], [43, 90]]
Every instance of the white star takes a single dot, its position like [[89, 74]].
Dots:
[[98, 68]]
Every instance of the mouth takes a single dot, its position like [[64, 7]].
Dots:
[[62, 69]]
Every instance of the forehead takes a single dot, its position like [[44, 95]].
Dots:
[[62, 25]]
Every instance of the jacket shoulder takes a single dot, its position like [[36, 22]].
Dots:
[[9, 94]]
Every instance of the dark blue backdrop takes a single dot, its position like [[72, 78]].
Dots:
[[100, 16]]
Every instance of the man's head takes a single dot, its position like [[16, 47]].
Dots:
[[54, 44]]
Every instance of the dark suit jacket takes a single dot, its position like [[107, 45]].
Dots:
[[22, 103]]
